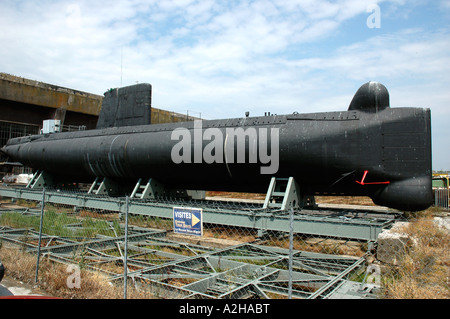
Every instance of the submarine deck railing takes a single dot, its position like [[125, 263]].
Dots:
[[358, 225]]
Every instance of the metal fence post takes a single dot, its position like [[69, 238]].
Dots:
[[40, 235], [125, 257], [291, 248], [441, 198]]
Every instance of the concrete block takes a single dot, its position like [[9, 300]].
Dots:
[[443, 222], [392, 244]]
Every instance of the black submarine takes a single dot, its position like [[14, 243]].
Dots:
[[371, 149]]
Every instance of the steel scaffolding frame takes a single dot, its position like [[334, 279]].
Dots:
[[247, 270], [241, 271], [339, 223]]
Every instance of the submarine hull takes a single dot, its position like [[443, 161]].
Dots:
[[385, 155]]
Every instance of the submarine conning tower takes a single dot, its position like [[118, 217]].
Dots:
[[371, 97]]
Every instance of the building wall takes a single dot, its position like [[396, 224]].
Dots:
[[13, 88], [162, 116]]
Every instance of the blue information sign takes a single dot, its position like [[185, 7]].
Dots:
[[187, 221]]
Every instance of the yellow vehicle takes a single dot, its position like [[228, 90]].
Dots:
[[441, 190], [440, 180]]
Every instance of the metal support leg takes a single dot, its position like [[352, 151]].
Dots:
[[40, 179], [103, 186]]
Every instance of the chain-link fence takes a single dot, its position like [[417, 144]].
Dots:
[[72, 244], [441, 198]]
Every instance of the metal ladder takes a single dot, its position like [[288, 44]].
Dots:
[[283, 193], [147, 188]]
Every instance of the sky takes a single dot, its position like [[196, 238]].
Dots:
[[220, 59]]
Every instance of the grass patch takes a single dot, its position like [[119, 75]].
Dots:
[[53, 278], [424, 267], [63, 225]]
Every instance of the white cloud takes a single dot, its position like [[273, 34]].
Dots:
[[223, 58], [199, 43], [421, 54]]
